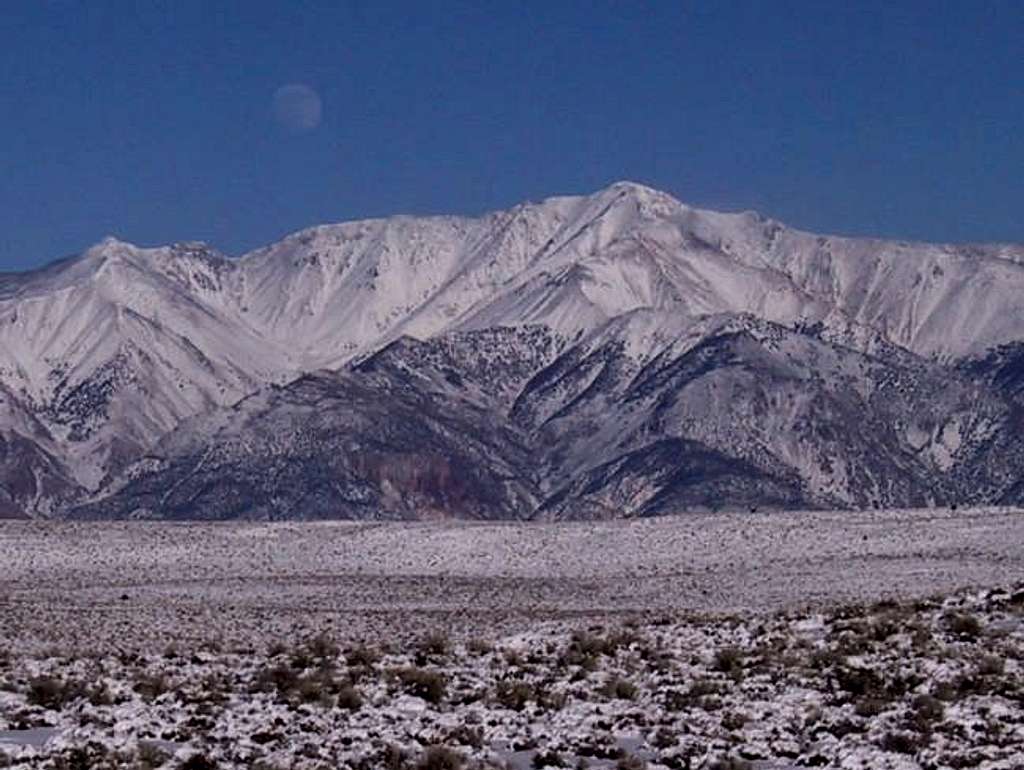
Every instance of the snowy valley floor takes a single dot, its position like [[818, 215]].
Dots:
[[860, 640]]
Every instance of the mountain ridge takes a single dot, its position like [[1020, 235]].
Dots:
[[116, 353]]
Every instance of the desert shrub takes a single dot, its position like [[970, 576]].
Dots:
[[921, 639], [585, 646], [630, 762], [464, 735], [312, 689], [151, 685], [618, 688], [300, 658], [362, 656], [967, 684], [990, 665], [53, 693], [316, 687], [704, 687], [869, 707], [98, 694], [80, 758], [266, 764], [729, 660], [349, 698], [323, 646], [858, 681], [946, 690], [843, 727], [551, 701], [925, 710], [440, 758], [664, 738], [729, 763], [825, 658], [549, 758], [900, 684], [622, 638], [393, 757], [429, 685], [702, 693], [199, 762], [150, 756], [513, 695], [213, 688], [901, 743], [278, 678], [881, 628], [734, 720], [276, 649], [963, 625], [587, 643], [436, 643], [479, 647], [576, 656]]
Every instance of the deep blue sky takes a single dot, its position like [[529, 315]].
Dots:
[[155, 120]]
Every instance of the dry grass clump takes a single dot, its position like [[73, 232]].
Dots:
[[964, 625], [323, 647], [52, 693], [423, 683], [349, 698], [280, 678], [198, 762], [925, 711], [362, 656], [514, 695], [151, 756], [151, 685], [902, 742], [631, 762], [440, 758], [729, 763], [703, 693], [585, 648], [436, 644], [618, 688], [479, 647], [729, 660], [318, 685]]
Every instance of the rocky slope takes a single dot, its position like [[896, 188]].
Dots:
[[615, 354]]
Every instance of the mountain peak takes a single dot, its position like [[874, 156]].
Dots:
[[634, 188], [636, 191], [111, 242]]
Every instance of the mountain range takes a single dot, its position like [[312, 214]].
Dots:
[[612, 355]]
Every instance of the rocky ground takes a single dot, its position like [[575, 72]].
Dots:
[[866, 640]]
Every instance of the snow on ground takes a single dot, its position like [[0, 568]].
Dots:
[[856, 640]]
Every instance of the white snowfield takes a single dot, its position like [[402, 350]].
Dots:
[[701, 642], [178, 329]]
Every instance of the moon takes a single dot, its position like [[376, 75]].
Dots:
[[297, 107]]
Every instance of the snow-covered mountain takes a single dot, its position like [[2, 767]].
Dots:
[[615, 354]]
